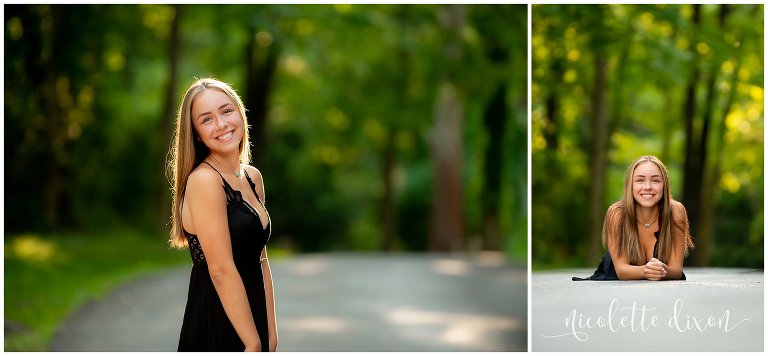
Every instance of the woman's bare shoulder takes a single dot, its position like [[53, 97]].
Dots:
[[255, 175], [679, 214], [677, 206], [257, 179], [613, 217], [253, 171], [615, 211], [203, 177]]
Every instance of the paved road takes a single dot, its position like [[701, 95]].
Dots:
[[716, 309], [335, 302]]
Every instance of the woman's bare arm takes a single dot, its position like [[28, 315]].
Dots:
[[265, 267], [207, 203], [624, 269], [679, 226], [270, 296]]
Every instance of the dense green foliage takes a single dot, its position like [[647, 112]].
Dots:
[[681, 82], [88, 112]]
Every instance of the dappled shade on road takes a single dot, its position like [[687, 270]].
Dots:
[[336, 302]]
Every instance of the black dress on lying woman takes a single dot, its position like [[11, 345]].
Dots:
[[606, 272]]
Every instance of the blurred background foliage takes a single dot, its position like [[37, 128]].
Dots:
[[376, 127], [614, 82]]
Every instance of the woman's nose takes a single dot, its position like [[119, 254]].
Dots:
[[220, 122]]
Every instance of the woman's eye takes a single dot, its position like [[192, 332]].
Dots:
[[228, 111], [205, 120]]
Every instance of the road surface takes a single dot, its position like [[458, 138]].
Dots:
[[715, 309], [335, 302]]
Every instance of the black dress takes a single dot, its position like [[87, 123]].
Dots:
[[606, 272], [206, 326]]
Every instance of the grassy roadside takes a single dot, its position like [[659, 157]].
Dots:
[[47, 277]]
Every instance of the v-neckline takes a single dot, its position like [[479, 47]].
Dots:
[[655, 241], [247, 204]]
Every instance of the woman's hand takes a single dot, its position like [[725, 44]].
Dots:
[[655, 270], [272, 344], [254, 348]]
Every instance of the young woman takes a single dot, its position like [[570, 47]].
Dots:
[[646, 232], [219, 214]]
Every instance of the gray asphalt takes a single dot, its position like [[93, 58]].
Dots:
[[715, 309], [335, 302]]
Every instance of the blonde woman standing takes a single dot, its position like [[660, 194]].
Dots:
[[646, 232], [219, 214]]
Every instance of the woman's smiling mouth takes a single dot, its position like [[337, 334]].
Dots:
[[226, 136]]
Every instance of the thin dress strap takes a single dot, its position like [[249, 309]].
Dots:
[[228, 190], [214, 168], [222, 178]]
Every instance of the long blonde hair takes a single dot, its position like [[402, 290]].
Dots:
[[187, 151], [621, 219]]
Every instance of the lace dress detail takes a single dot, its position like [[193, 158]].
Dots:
[[195, 250], [234, 198]]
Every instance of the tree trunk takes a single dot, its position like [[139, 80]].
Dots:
[[669, 120], [552, 105], [447, 143], [691, 169], [705, 236], [388, 213], [666, 135], [702, 254], [617, 105], [447, 154], [598, 157], [168, 116], [54, 117], [495, 119], [260, 72]]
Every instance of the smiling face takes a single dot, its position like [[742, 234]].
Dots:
[[217, 121], [647, 184]]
